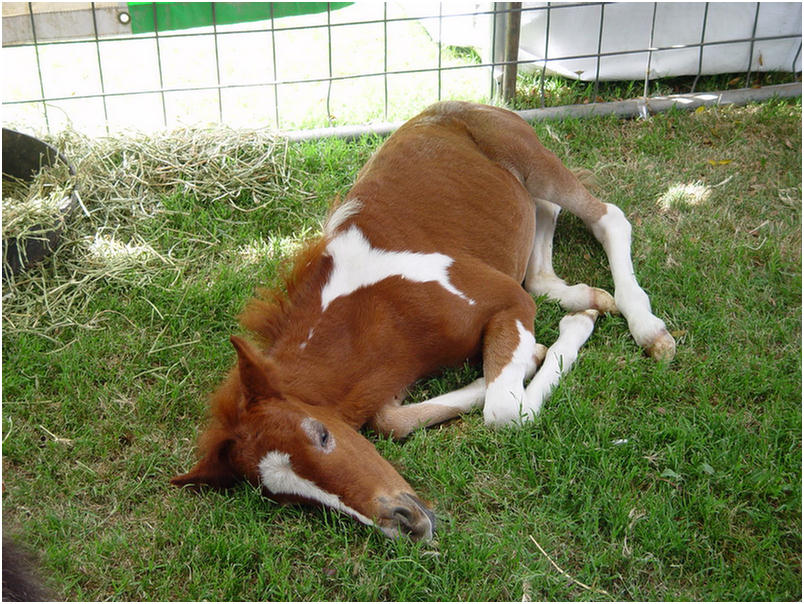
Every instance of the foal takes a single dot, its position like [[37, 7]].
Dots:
[[420, 267]]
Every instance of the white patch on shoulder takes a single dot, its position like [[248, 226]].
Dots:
[[277, 476], [356, 264], [341, 214]]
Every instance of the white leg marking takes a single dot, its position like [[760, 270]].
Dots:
[[505, 396], [465, 399], [614, 231], [573, 298], [541, 278], [357, 264], [574, 330], [278, 477], [401, 420], [541, 257]]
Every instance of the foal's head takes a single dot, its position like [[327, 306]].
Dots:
[[300, 453]]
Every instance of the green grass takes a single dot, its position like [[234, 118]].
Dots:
[[651, 482], [553, 91]]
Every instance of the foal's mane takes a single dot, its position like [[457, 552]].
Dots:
[[269, 313], [267, 316]]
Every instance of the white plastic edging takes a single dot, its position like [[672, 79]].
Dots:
[[627, 109]]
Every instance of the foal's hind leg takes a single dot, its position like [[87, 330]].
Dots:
[[610, 226], [613, 230], [540, 278], [509, 140]]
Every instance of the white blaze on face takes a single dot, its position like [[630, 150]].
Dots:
[[356, 264], [278, 477]]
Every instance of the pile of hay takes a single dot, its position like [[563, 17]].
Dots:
[[34, 211], [123, 180], [31, 207]]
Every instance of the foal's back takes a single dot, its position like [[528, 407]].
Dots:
[[431, 188]]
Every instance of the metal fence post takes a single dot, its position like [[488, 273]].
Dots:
[[39, 66], [513, 18], [546, 53], [751, 49], [100, 68]]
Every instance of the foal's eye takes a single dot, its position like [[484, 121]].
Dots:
[[325, 441], [318, 434]]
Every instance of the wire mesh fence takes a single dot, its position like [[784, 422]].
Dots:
[[108, 66]]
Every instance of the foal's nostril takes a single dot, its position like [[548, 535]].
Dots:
[[405, 518], [424, 509], [405, 515]]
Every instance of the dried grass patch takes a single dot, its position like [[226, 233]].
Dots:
[[123, 182], [30, 208]]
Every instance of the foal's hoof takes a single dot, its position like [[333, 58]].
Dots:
[[663, 347], [500, 419], [603, 301], [539, 354]]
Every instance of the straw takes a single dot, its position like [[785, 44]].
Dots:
[[123, 182], [33, 208]]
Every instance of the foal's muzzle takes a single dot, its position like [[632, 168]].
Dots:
[[406, 515]]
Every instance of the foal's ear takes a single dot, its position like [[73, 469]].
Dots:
[[256, 377], [214, 470]]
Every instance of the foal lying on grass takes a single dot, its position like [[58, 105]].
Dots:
[[421, 266]]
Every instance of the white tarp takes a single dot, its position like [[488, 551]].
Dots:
[[630, 30]]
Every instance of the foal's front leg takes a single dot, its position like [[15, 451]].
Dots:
[[398, 420], [574, 330], [523, 404]]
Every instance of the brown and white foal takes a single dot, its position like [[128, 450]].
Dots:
[[421, 266]]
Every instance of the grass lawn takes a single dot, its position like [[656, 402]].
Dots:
[[641, 481]]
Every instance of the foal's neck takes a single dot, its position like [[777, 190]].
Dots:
[[346, 357]]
